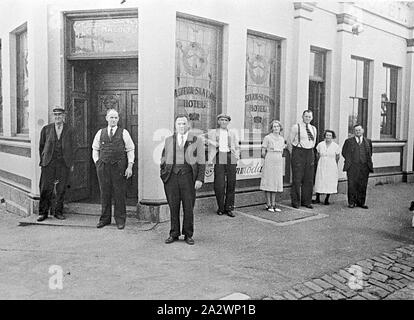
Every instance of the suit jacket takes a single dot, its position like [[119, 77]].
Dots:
[[47, 144], [194, 152], [213, 143], [351, 154]]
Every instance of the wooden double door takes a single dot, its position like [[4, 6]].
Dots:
[[94, 87]]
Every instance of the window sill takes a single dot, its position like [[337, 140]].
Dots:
[[22, 139]]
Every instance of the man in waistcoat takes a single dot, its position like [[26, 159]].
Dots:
[[357, 152], [113, 154], [55, 148], [182, 171], [302, 141]]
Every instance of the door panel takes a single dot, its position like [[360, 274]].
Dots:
[[132, 127], [316, 103], [77, 117]]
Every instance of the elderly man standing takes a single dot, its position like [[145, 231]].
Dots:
[[55, 148], [182, 171], [113, 154], [357, 152], [302, 141]]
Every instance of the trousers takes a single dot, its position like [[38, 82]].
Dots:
[[303, 162], [180, 189], [225, 181], [357, 176], [112, 184], [53, 179]]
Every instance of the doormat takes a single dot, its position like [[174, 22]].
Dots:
[[287, 216]]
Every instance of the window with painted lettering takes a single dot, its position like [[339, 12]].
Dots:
[[22, 83], [389, 102], [358, 112], [262, 85], [198, 72]]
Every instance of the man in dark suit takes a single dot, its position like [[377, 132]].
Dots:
[[182, 171], [56, 151], [357, 152]]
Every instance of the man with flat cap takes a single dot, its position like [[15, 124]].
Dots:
[[56, 161], [224, 152]]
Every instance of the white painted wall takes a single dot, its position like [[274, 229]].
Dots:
[[383, 41]]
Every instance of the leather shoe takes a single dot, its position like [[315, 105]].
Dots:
[[189, 240], [309, 206], [351, 205], [412, 206], [364, 206], [230, 214], [220, 213], [102, 224], [120, 226], [59, 216], [171, 239], [42, 217], [295, 206]]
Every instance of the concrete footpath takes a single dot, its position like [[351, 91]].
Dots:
[[256, 254]]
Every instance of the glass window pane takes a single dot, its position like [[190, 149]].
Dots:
[[109, 36], [359, 78], [22, 83], [393, 84], [197, 77], [261, 100]]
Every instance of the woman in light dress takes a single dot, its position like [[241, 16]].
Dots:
[[272, 173], [326, 180]]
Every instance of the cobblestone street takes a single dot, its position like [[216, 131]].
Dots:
[[388, 276]]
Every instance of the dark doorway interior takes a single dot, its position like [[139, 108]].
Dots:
[[95, 86]]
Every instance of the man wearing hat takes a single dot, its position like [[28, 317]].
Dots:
[[224, 152], [56, 150]]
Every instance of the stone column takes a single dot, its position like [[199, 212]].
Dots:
[[37, 41], [342, 85], [300, 66], [408, 157]]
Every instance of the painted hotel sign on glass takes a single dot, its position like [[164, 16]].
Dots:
[[196, 74], [261, 86]]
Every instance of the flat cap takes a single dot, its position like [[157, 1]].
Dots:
[[58, 110], [223, 115]]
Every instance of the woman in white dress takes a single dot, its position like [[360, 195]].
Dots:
[[272, 172], [326, 180]]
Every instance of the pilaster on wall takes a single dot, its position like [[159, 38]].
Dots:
[[343, 64], [408, 157], [300, 68], [38, 83]]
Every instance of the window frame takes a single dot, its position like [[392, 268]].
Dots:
[[362, 103], [72, 16], [18, 131], [248, 136], [392, 104]]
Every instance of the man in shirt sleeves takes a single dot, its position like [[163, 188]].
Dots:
[[113, 152], [357, 152], [302, 141]]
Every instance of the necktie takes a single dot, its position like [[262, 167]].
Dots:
[[310, 135], [111, 133], [359, 140], [182, 141]]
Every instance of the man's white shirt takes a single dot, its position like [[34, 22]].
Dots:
[[129, 144]]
